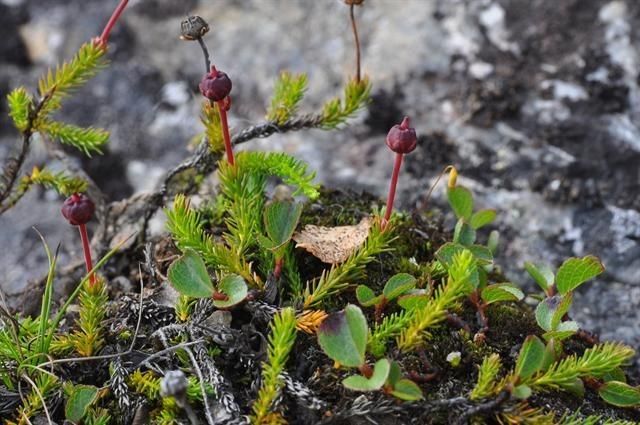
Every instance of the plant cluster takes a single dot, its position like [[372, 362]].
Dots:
[[263, 332]]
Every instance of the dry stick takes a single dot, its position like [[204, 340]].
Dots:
[[44, 403], [357, 40], [207, 408]]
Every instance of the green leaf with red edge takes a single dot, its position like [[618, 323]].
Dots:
[[235, 288], [575, 271], [620, 394], [343, 336], [189, 276], [482, 218], [531, 357], [374, 383], [461, 201]]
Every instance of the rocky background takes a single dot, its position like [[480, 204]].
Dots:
[[537, 102]]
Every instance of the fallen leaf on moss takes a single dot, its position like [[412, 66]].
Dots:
[[333, 245]]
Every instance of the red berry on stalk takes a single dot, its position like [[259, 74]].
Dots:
[[78, 209], [402, 138], [215, 85]]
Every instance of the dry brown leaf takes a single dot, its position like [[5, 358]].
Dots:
[[333, 245]]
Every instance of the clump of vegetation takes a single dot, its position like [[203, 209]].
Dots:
[[264, 328]]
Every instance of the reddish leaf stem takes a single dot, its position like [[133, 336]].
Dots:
[[86, 249], [104, 37], [222, 109], [392, 190]]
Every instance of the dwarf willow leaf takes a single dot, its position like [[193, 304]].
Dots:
[[522, 392], [620, 394], [343, 336], [501, 292], [234, 287], [543, 275], [189, 276], [575, 271], [550, 311], [406, 389], [366, 297], [482, 218], [398, 285], [281, 220], [461, 201], [374, 383], [463, 233], [82, 396], [531, 357]]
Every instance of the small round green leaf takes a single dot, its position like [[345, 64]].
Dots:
[[482, 218], [343, 336], [407, 390], [531, 357], [280, 221], [620, 394], [398, 285], [366, 297], [81, 397], [461, 201], [189, 276], [522, 392], [234, 287], [378, 378], [501, 292], [543, 275]]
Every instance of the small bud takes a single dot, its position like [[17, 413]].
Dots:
[[402, 138], [78, 209], [193, 28], [215, 85], [453, 178]]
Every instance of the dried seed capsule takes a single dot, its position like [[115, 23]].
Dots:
[[215, 85], [78, 209], [354, 2], [402, 138], [193, 28]]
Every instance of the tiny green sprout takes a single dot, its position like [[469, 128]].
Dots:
[[280, 221], [461, 201], [400, 387], [374, 382], [396, 286], [189, 276]]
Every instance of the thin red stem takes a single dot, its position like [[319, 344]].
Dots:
[[392, 190], [277, 270], [357, 40], [86, 248], [104, 37], [225, 131]]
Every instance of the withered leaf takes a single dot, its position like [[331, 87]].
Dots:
[[333, 245]]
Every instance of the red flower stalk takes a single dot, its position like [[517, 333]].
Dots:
[[352, 4], [103, 40], [216, 86], [402, 140], [78, 210]]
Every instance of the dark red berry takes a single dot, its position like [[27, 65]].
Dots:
[[402, 138], [78, 209], [215, 85]]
